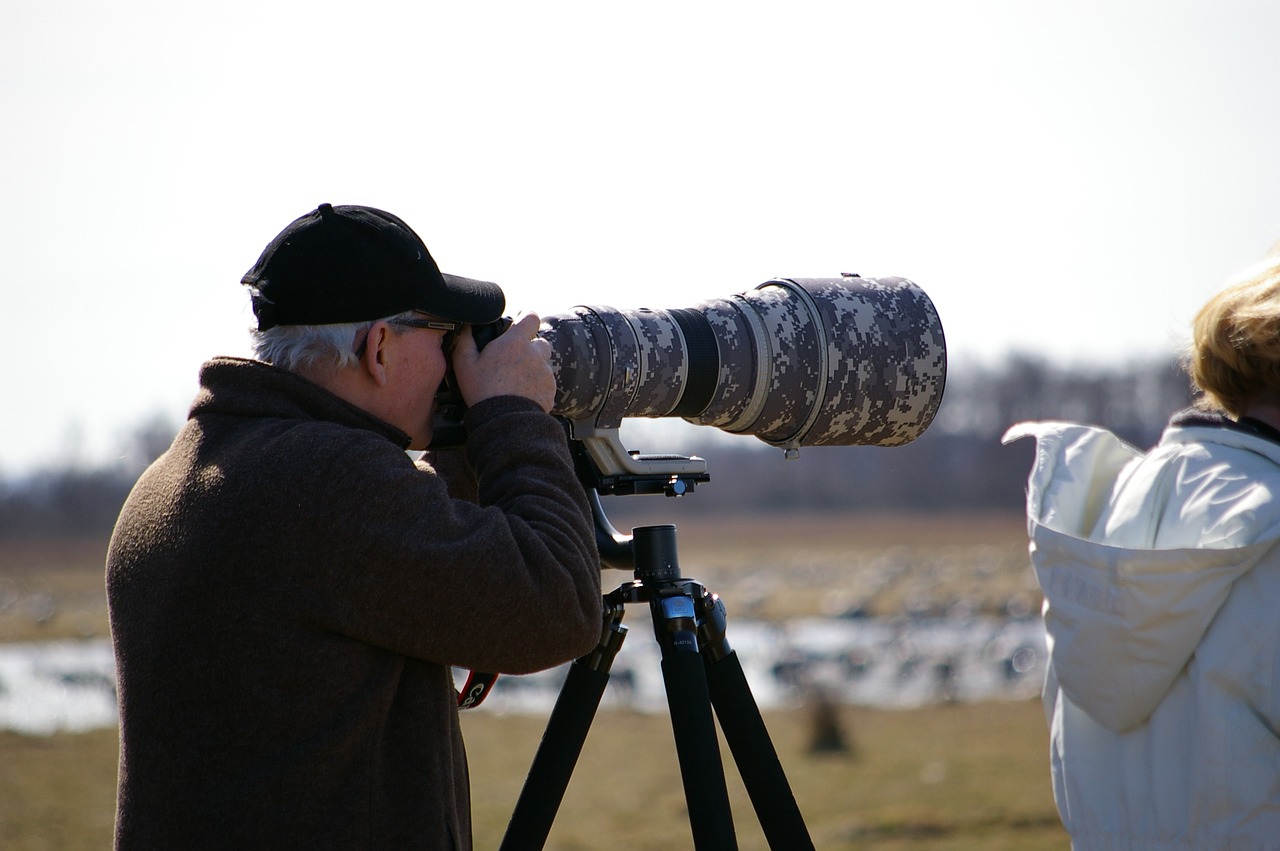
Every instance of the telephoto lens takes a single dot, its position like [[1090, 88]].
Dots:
[[796, 362]]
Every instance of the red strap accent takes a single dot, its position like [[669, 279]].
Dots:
[[476, 689]]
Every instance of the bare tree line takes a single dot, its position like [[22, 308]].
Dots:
[[958, 463]]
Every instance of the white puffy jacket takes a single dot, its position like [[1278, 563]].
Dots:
[[1161, 578]]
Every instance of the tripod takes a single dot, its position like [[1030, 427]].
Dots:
[[699, 671]]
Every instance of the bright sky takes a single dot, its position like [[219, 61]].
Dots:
[[1067, 178]]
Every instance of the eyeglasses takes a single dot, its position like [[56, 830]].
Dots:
[[450, 330], [436, 324]]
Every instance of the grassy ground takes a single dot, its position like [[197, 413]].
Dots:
[[953, 777], [956, 777], [948, 777]]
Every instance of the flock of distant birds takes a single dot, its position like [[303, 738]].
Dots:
[[902, 661]]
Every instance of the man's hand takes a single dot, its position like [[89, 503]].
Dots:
[[516, 363]]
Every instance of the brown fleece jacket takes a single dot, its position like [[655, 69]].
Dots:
[[288, 591]]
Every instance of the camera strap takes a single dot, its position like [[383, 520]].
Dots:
[[476, 689]]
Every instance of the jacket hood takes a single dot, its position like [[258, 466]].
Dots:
[[1137, 552]]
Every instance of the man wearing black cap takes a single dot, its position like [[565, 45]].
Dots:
[[288, 589]]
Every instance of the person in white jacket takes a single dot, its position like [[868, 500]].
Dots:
[[1161, 577]]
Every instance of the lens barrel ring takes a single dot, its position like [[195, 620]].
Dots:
[[703, 362], [821, 370]]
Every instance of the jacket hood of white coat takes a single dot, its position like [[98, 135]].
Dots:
[[1136, 552]]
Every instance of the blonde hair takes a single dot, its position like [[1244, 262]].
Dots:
[[1235, 342]]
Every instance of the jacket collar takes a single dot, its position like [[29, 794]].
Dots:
[[1246, 433], [242, 387]]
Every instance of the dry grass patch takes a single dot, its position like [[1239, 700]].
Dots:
[[965, 776]]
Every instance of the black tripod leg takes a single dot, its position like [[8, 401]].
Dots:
[[685, 676], [701, 768], [755, 756], [557, 755]]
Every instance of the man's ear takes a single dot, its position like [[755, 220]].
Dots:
[[374, 362]]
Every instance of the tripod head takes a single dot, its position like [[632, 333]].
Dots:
[[605, 466]]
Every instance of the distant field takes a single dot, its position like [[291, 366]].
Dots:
[[775, 566], [52, 589], [768, 566]]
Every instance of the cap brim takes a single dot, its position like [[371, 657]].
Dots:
[[468, 300]]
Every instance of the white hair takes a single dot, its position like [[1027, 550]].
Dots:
[[304, 348]]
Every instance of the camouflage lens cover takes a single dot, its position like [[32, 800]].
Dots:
[[796, 362]]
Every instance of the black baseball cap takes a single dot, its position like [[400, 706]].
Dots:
[[357, 264]]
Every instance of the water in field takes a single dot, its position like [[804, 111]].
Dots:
[[57, 686], [899, 662]]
